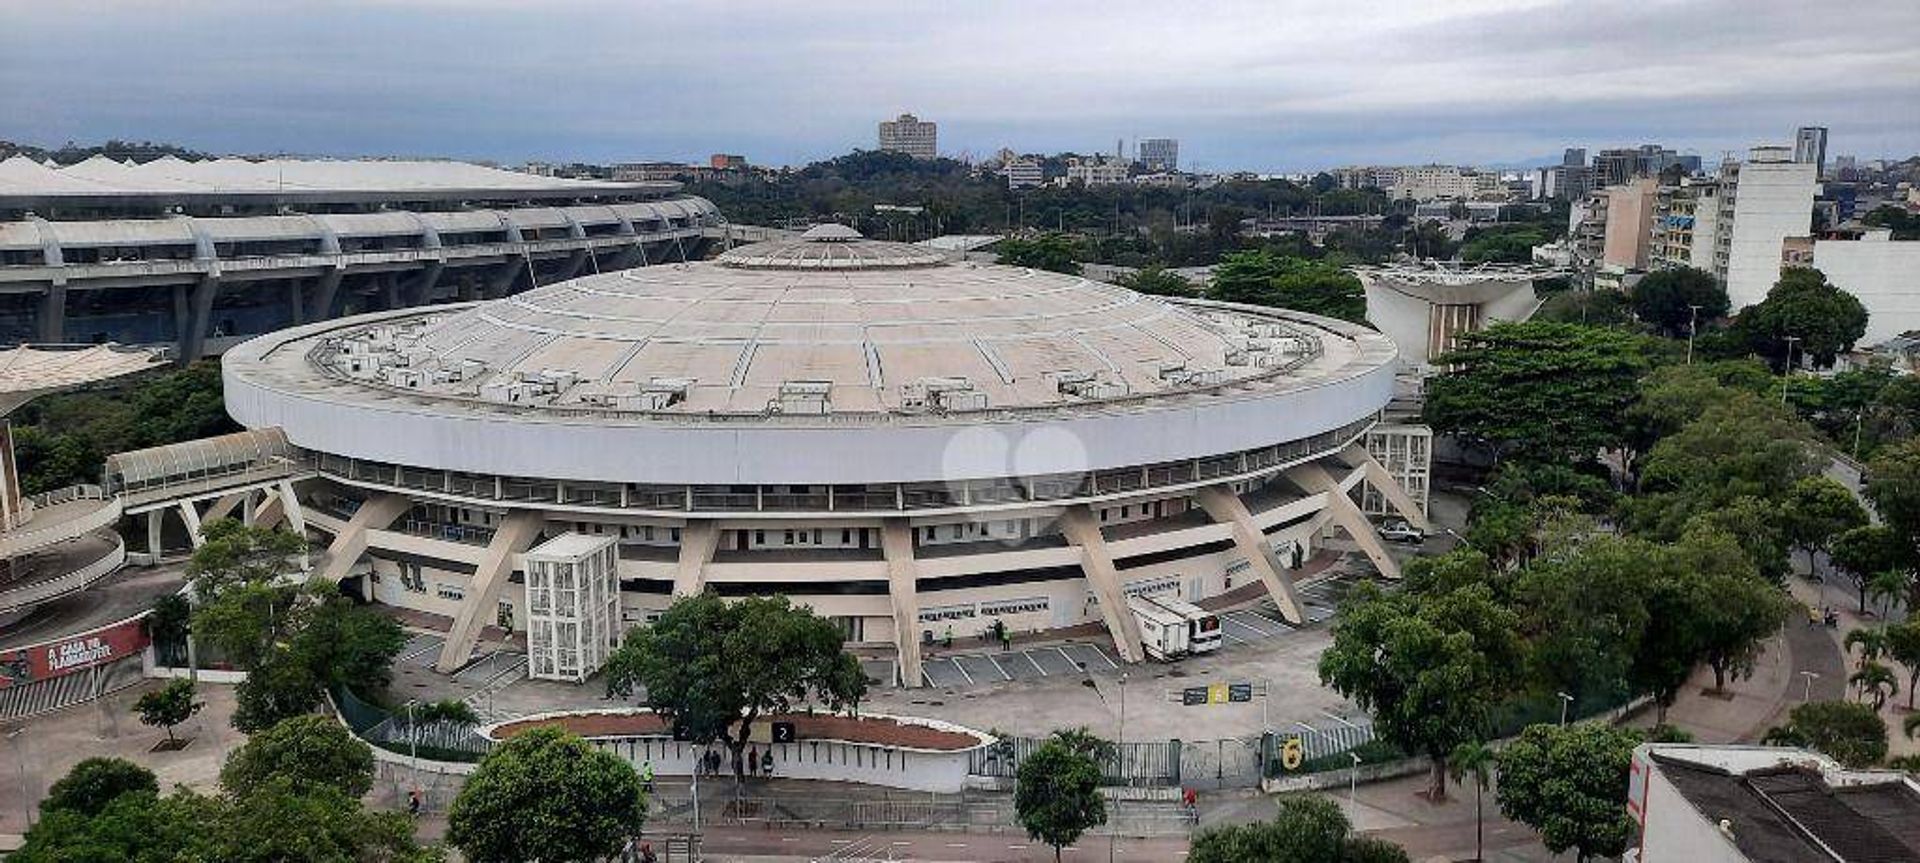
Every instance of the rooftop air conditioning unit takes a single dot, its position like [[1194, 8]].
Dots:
[[803, 397]]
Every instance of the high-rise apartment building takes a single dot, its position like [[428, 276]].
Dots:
[[1160, 154], [1810, 148], [910, 135], [1574, 156], [1097, 171], [1761, 202], [1684, 220]]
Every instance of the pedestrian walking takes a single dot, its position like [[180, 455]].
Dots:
[[646, 853], [753, 761], [413, 803], [646, 775], [766, 762], [948, 643]]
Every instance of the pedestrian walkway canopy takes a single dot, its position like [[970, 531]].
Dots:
[[194, 467]]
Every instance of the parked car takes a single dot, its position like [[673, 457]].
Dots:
[[1400, 531]]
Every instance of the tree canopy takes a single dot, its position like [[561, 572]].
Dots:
[[168, 706], [96, 782], [1158, 281], [1050, 252], [1263, 279], [1570, 784], [715, 666], [546, 795], [1852, 733], [1666, 300], [303, 750], [1307, 829], [1548, 392], [1056, 795], [1824, 320], [1428, 667]]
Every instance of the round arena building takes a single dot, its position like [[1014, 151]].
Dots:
[[908, 443]]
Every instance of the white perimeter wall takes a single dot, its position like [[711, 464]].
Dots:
[[1883, 273]]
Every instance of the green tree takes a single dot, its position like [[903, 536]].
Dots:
[[1853, 734], [1871, 641], [1501, 244], [1056, 795], [1245, 277], [1876, 682], [715, 667], [280, 686], [246, 603], [1862, 552], [1736, 611], [303, 750], [1666, 299], [1903, 646], [95, 782], [345, 644], [1475, 759], [1600, 307], [1893, 486], [1570, 784], [167, 622], [1904, 225], [1051, 252], [1546, 392], [1824, 320], [1818, 509], [1584, 614], [1307, 829], [1321, 289], [283, 822], [546, 795], [1157, 281], [1426, 667], [168, 706], [1888, 587], [133, 827]]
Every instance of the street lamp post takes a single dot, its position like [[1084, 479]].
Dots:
[[1119, 750], [1353, 778], [1806, 684], [26, 805], [1565, 700], [1786, 371], [1693, 326]]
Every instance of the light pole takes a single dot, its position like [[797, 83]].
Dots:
[[1786, 371], [1859, 419], [1806, 684], [26, 805], [1119, 750], [1693, 326], [1565, 700], [1353, 778]]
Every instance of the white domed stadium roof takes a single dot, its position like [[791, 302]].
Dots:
[[894, 348]]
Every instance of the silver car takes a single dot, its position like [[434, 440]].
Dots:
[[1400, 531]]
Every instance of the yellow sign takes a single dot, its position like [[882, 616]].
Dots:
[[1291, 754], [1217, 693]]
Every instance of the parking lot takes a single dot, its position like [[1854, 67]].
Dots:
[[1238, 628]]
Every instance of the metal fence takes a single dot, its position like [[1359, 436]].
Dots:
[[441, 740], [1227, 762]]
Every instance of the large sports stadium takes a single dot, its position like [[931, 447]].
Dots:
[[905, 442]]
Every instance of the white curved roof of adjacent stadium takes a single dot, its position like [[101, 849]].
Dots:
[[29, 370], [100, 175], [701, 372]]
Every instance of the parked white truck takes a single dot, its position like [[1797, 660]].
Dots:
[[1171, 628]]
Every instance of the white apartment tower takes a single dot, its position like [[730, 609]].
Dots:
[[908, 134], [573, 606], [1160, 154], [1761, 203]]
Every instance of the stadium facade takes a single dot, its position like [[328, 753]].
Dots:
[[197, 255], [907, 443]]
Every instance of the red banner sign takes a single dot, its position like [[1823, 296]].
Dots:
[[50, 659]]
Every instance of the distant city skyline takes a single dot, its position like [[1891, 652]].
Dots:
[[1271, 87]]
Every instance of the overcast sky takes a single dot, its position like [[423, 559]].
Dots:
[[1272, 86]]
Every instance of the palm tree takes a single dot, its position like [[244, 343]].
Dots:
[[1887, 588], [1903, 646], [1875, 681], [1911, 725], [1474, 759], [1872, 643]]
